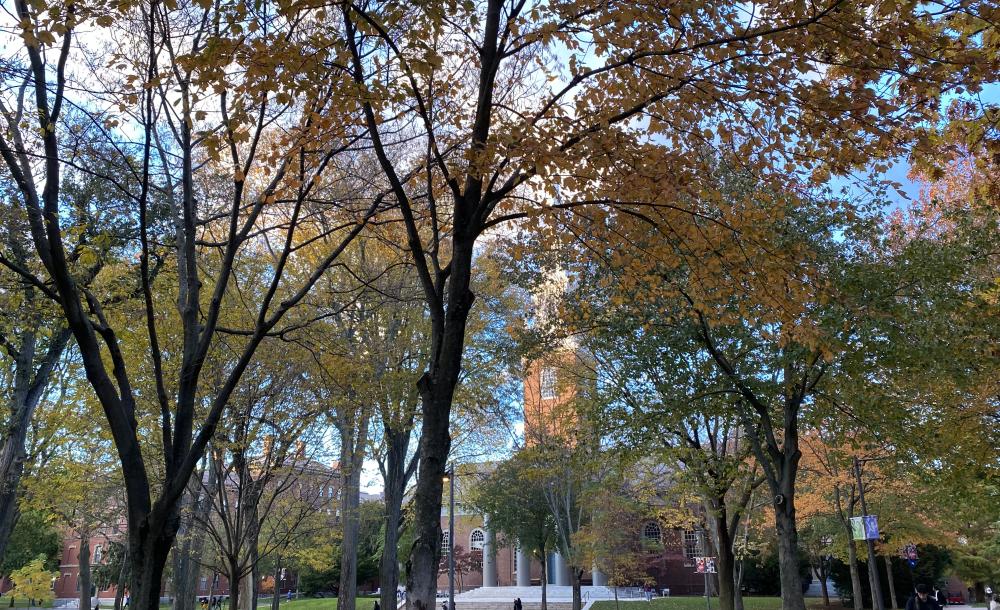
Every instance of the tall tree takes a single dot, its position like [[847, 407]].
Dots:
[[618, 124], [226, 177]]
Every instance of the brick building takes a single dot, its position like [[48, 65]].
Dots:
[[550, 387]]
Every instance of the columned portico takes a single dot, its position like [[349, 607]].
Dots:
[[523, 568], [600, 578], [489, 556], [561, 570]]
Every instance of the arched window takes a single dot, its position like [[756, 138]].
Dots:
[[477, 539], [445, 541], [651, 532]]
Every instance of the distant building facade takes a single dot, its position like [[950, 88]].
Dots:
[[550, 387]]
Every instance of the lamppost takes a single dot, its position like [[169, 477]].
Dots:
[[872, 566], [449, 477]]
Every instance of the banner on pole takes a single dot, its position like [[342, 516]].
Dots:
[[704, 565], [864, 528]]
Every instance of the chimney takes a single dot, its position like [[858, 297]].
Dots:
[[300, 450]]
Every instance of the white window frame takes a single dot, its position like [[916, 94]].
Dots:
[[692, 544], [474, 544], [548, 382], [445, 541]]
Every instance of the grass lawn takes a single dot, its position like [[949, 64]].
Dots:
[[698, 603], [305, 603], [315, 603], [20, 602]]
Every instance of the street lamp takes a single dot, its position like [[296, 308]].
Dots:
[[872, 566], [449, 477]]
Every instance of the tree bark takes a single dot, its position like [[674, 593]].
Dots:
[[822, 574], [575, 577], [186, 558], [725, 561], [83, 560], [788, 555], [396, 474], [150, 541], [892, 584], [276, 598], [852, 561], [545, 579], [353, 438]]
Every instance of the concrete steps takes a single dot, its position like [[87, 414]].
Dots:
[[532, 605]]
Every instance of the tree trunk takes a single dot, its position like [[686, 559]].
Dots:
[[150, 541], [398, 443], [83, 559], [353, 437], [738, 586], [852, 561], [788, 556], [276, 598], [822, 583], [235, 586], [545, 580], [425, 555], [575, 576], [437, 390], [725, 560], [892, 584], [187, 557]]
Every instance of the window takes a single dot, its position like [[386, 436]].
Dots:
[[477, 539], [98, 553], [692, 546], [548, 383], [445, 541], [651, 532]]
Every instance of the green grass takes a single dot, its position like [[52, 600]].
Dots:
[[20, 602], [698, 603], [304, 603], [315, 603]]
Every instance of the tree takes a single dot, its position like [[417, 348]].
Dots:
[[615, 539], [34, 535], [529, 135], [514, 502], [33, 581], [204, 193]]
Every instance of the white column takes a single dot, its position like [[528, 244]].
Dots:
[[600, 578], [561, 570], [523, 568], [489, 556]]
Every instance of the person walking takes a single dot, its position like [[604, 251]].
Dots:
[[922, 600], [376, 606]]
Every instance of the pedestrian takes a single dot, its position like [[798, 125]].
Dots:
[[128, 598], [376, 606], [517, 603], [921, 599], [994, 603], [289, 596], [940, 597]]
